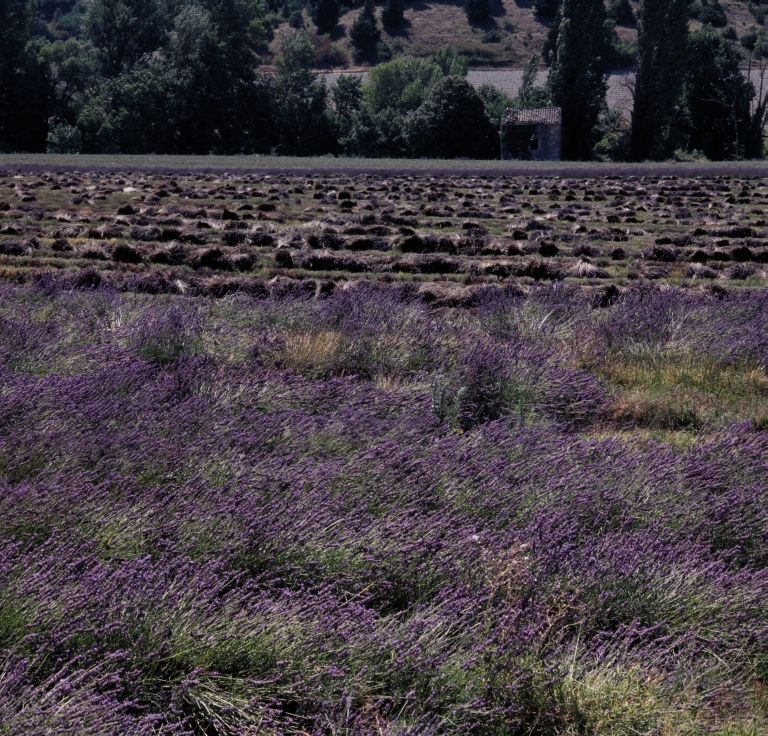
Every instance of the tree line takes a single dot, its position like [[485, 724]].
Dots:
[[181, 77]]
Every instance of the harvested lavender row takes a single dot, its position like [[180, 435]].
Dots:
[[450, 235], [357, 514]]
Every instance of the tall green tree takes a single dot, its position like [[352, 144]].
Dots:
[[495, 102], [392, 91], [24, 92], [451, 64], [325, 14], [202, 81], [123, 31], [393, 14], [196, 92], [299, 99], [578, 77], [718, 99], [546, 8], [376, 135], [662, 56], [549, 50], [131, 113], [477, 10], [621, 12], [401, 85], [72, 74], [452, 123], [212, 51], [364, 32], [529, 95], [347, 95], [240, 27]]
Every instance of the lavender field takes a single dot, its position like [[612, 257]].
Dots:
[[289, 503], [353, 515]]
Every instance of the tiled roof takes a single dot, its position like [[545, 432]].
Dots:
[[539, 116]]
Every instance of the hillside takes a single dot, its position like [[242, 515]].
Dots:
[[507, 40]]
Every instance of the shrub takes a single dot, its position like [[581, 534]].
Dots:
[[516, 381], [64, 138], [327, 54], [749, 40], [384, 52], [296, 19], [713, 14], [494, 35], [162, 336], [452, 123], [615, 136], [488, 385]]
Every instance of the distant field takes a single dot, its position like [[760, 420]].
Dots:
[[331, 164], [508, 39]]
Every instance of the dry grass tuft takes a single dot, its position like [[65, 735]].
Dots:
[[312, 353], [673, 393], [388, 381]]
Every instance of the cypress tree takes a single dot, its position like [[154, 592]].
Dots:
[[325, 14], [549, 51], [24, 87], [364, 32], [621, 11], [662, 50], [546, 8], [525, 95], [578, 77], [477, 10], [392, 15]]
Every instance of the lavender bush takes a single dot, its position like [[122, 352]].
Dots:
[[352, 515]]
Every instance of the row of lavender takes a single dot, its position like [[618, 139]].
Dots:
[[355, 515]]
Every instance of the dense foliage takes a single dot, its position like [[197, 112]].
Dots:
[[354, 515], [392, 14], [452, 123], [662, 58], [24, 103], [364, 32], [325, 14], [578, 77], [719, 99], [181, 77]]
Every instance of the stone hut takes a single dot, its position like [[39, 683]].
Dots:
[[531, 135]]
